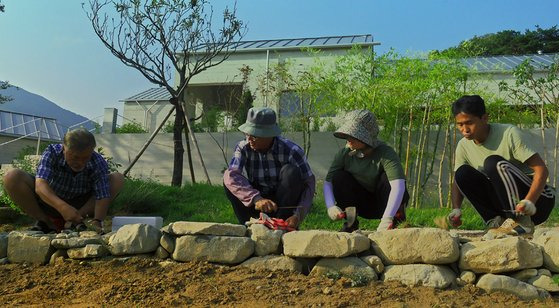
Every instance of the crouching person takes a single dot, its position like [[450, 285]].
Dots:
[[499, 171], [72, 183], [268, 173], [366, 177]]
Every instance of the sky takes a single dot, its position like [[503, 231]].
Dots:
[[49, 48]]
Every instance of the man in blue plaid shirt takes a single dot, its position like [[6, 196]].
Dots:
[[268, 173], [72, 182]]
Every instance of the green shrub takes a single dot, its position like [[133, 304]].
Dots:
[[131, 128]]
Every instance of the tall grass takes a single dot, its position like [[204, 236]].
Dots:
[[203, 202]]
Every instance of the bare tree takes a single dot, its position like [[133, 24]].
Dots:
[[162, 37]]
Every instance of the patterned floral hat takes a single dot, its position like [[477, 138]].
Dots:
[[361, 125]]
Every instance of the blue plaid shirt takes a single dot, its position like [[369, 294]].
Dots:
[[68, 184], [262, 169]]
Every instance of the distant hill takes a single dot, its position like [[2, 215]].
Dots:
[[33, 104]]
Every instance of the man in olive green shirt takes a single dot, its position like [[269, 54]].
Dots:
[[499, 171]]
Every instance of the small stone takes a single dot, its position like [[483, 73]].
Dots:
[[544, 272], [271, 275], [258, 287], [4, 261], [327, 291], [468, 277], [525, 275]]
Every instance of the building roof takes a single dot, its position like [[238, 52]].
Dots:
[[153, 94], [508, 63], [323, 42], [26, 125]]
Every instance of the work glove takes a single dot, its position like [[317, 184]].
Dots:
[[335, 213], [386, 223], [525, 207], [455, 218]]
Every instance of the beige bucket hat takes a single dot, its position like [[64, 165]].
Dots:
[[361, 125]]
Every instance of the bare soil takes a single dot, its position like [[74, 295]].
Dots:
[[143, 282]]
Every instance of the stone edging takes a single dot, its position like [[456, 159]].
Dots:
[[413, 256]]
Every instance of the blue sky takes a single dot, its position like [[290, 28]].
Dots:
[[49, 48]]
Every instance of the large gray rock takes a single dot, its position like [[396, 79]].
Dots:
[[266, 241], [204, 228], [88, 252], [544, 282], [74, 242], [549, 240], [349, 266], [494, 283], [3, 245], [219, 249], [317, 243], [415, 245], [273, 263], [134, 239], [436, 276], [31, 248], [161, 253], [501, 255]]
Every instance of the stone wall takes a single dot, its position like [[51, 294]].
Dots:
[[413, 256]]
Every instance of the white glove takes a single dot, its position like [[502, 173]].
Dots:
[[385, 224], [455, 217], [525, 207], [335, 213]]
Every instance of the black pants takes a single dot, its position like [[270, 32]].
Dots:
[[287, 194], [497, 192], [348, 192]]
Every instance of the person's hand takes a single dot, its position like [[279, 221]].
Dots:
[[525, 207], [265, 205], [335, 213], [293, 221], [96, 225], [455, 218], [386, 223], [71, 214]]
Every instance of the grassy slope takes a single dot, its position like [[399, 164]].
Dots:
[[201, 202]]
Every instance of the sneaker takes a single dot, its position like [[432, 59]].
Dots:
[[42, 227], [494, 222], [521, 225], [353, 227]]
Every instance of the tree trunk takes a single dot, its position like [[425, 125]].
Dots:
[[189, 154], [408, 142], [195, 142], [145, 146], [555, 152], [178, 154], [441, 165]]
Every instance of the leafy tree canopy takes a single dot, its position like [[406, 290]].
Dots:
[[507, 42]]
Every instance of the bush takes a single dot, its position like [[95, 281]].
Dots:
[[130, 128]]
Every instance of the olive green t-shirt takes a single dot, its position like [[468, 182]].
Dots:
[[505, 140], [367, 170]]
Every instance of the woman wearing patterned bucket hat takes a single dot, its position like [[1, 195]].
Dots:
[[365, 175]]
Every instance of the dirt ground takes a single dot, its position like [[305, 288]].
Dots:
[[147, 282], [142, 282]]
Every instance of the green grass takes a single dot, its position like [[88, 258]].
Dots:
[[202, 202]]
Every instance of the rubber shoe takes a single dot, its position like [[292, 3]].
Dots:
[[521, 225], [494, 222], [353, 227], [42, 226]]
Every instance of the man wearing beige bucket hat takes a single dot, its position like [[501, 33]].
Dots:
[[268, 173], [365, 176]]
